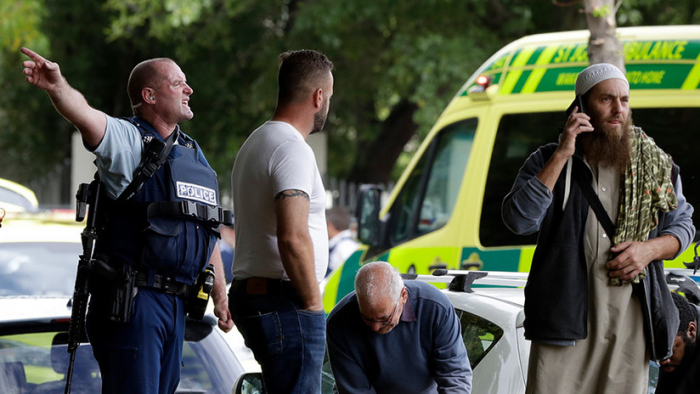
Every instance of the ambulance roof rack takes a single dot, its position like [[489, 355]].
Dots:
[[462, 280]]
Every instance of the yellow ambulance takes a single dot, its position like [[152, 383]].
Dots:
[[445, 210]]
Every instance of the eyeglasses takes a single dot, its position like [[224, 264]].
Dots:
[[383, 322]]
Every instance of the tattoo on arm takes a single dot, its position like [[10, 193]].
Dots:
[[291, 193]]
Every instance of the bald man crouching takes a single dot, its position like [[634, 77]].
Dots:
[[394, 337]]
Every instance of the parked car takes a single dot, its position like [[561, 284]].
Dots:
[[16, 198], [34, 358], [38, 255], [38, 260], [492, 329]]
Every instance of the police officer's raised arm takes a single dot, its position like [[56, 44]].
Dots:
[[70, 103]]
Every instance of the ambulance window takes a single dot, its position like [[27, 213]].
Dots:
[[518, 136], [673, 129], [430, 192]]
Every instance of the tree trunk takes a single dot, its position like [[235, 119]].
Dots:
[[603, 45], [375, 161]]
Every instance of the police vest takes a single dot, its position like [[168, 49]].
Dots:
[[168, 227]]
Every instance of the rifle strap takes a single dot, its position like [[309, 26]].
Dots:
[[156, 153]]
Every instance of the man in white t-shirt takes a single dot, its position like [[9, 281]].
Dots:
[[281, 237]]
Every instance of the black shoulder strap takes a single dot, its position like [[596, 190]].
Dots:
[[584, 183], [675, 170], [155, 155]]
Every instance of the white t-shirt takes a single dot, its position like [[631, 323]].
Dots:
[[274, 158]]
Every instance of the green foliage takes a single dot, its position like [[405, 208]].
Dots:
[[601, 12], [658, 12], [163, 17], [19, 25], [386, 53]]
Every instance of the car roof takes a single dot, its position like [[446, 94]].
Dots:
[[505, 286], [39, 229], [496, 296], [17, 198], [512, 295], [33, 309]]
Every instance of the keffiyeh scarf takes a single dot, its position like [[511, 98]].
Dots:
[[647, 188]]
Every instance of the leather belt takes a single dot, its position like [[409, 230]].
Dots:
[[261, 286]]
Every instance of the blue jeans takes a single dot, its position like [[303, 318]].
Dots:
[[142, 356], [289, 343]]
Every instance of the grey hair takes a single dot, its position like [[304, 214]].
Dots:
[[376, 280]]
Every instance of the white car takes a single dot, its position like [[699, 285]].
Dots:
[[492, 329], [34, 358], [38, 260], [38, 255]]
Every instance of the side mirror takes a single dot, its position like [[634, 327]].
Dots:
[[248, 383], [369, 203]]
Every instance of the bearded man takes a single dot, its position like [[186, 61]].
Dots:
[[586, 324]]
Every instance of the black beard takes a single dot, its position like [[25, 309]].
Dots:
[[603, 146], [690, 348]]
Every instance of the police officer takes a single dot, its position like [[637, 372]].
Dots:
[[146, 234]]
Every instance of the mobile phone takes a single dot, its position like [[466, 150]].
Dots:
[[581, 108]]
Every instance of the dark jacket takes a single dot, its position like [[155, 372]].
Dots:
[[559, 263]]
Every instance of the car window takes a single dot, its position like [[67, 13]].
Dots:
[[521, 134], [518, 136], [430, 192], [38, 268], [36, 362], [479, 336], [208, 364]]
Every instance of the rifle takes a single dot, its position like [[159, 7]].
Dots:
[[87, 195]]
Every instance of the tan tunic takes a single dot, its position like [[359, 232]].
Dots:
[[613, 359]]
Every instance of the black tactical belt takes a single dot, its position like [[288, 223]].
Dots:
[[191, 209], [162, 283]]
